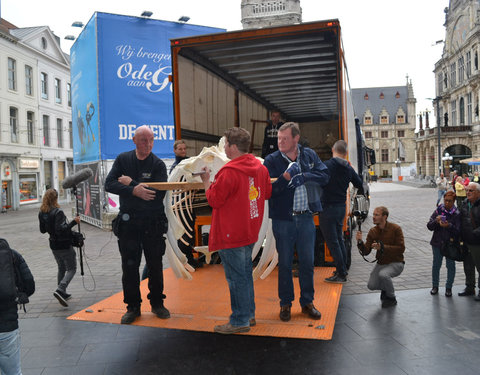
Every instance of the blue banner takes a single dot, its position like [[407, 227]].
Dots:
[[134, 65], [84, 78]]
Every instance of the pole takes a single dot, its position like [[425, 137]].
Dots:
[[80, 250]]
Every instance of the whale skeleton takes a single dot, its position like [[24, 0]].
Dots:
[[181, 189]]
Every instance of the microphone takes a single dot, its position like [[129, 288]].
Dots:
[[76, 178]]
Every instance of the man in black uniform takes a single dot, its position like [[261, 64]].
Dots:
[[141, 222], [270, 138]]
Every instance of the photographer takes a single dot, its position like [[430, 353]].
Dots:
[[387, 239]]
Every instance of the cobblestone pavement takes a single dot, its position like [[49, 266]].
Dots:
[[410, 207]]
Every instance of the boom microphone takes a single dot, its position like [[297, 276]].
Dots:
[[76, 178]]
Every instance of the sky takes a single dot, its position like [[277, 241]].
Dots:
[[384, 40]]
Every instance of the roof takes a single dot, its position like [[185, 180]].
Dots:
[[375, 104], [24, 32], [292, 68]]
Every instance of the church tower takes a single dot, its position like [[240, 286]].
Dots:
[[266, 13]]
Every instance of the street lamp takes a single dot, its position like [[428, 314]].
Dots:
[[447, 157]]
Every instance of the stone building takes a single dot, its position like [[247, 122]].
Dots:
[[457, 85], [387, 119], [35, 114], [265, 13]]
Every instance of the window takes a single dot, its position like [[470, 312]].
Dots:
[[69, 94], [440, 82], [469, 108], [44, 83], [367, 120], [384, 134], [469, 64], [46, 130], [368, 134], [453, 75], [462, 111], [58, 91], [30, 133], [453, 107], [383, 119], [13, 125], [400, 119], [12, 74], [461, 69], [384, 152], [28, 80], [401, 133], [59, 133], [70, 134]]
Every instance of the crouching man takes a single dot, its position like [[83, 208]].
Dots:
[[387, 240]]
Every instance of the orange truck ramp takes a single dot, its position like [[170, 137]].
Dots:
[[204, 302]]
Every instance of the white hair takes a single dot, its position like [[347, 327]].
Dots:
[[475, 185]]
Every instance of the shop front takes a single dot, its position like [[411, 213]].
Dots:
[[28, 178]]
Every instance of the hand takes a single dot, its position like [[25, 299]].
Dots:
[[376, 246], [438, 219], [141, 191], [293, 169], [297, 180], [359, 236], [443, 224], [125, 180], [206, 178], [77, 219]]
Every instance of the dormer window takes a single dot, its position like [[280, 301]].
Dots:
[[400, 119], [397, 95], [367, 120], [382, 96], [365, 96]]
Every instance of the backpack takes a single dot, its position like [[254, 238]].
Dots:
[[11, 284]]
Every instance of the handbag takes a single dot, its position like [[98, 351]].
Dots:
[[454, 249], [77, 239]]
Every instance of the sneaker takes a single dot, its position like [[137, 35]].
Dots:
[[389, 302], [285, 314], [337, 279], [467, 292], [161, 312], [67, 296], [228, 329], [60, 296], [130, 316], [311, 311]]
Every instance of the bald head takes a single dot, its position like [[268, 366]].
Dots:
[[143, 139]]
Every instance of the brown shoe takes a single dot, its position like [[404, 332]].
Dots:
[[311, 311], [285, 313]]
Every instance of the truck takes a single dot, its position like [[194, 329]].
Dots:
[[237, 78]]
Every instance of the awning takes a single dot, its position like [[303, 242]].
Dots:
[[471, 161]]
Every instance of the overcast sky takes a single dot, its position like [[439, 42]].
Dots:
[[384, 40]]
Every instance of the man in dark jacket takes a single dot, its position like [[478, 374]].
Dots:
[[295, 197], [180, 150], [270, 138], [9, 333], [470, 219], [333, 203], [141, 222]]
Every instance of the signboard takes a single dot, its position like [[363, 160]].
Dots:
[[120, 81], [88, 195]]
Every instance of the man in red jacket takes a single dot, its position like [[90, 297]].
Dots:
[[237, 196]]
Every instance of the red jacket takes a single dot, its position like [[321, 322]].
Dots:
[[237, 197]]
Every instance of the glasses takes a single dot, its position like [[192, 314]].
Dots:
[[470, 190]]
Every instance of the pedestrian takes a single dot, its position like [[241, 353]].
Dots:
[[460, 191], [387, 240], [270, 137], [180, 151], [333, 203], [442, 187], [454, 180], [466, 180], [475, 177], [14, 278], [295, 198], [141, 222], [445, 224], [53, 220], [4, 201], [470, 227], [237, 197]]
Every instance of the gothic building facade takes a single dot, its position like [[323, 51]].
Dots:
[[387, 119], [457, 89], [265, 13]]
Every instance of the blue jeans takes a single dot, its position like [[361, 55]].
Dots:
[[331, 224], [437, 264], [237, 264], [298, 234], [10, 353], [441, 193]]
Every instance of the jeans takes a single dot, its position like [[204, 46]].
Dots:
[[441, 193], [331, 224], [237, 264], [298, 234], [67, 267], [472, 261], [381, 277], [135, 236], [437, 264], [10, 353]]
